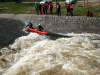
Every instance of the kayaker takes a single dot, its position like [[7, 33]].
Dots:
[[40, 28], [30, 25]]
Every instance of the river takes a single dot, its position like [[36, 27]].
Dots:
[[53, 54]]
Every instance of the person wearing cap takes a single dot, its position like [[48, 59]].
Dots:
[[58, 9], [36, 7], [40, 28], [89, 13]]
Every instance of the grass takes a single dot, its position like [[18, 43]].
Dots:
[[15, 8], [79, 9]]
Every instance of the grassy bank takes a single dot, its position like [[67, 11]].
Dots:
[[79, 9]]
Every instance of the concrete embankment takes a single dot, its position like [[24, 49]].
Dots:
[[63, 24]]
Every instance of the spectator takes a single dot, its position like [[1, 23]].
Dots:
[[58, 9], [39, 6], [89, 13], [51, 7], [36, 7], [46, 6], [71, 9], [68, 9]]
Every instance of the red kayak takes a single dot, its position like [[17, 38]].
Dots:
[[36, 30]]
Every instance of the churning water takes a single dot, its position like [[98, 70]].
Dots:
[[36, 54]]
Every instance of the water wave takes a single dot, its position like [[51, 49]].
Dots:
[[36, 54]]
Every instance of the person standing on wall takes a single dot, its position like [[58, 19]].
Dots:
[[36, 7], [58, 9], [46, 6], [51, 7], [68, 9], [39, 7], [71, 9]]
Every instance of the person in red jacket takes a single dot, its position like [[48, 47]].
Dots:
[[51, 7], [89, 13], [44, 8]]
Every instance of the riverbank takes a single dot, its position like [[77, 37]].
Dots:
[[29, 8], [63, 24]]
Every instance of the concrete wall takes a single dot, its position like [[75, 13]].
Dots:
[[63, 24]]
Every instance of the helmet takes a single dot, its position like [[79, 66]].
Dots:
[[39, 24]]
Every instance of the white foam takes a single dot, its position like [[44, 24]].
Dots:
[[64, 56]]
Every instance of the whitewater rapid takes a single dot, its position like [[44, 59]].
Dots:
[[36, 54]]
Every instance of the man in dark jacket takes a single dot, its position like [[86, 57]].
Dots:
[[39, 6], [58, 9]]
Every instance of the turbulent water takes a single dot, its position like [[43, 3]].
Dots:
[[36, 54]]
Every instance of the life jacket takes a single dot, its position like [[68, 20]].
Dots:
[[46, 5], [40, 28], [39, 5], [43, 7], [68, 6], [51, 5], [57, 6], [30, 25]]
